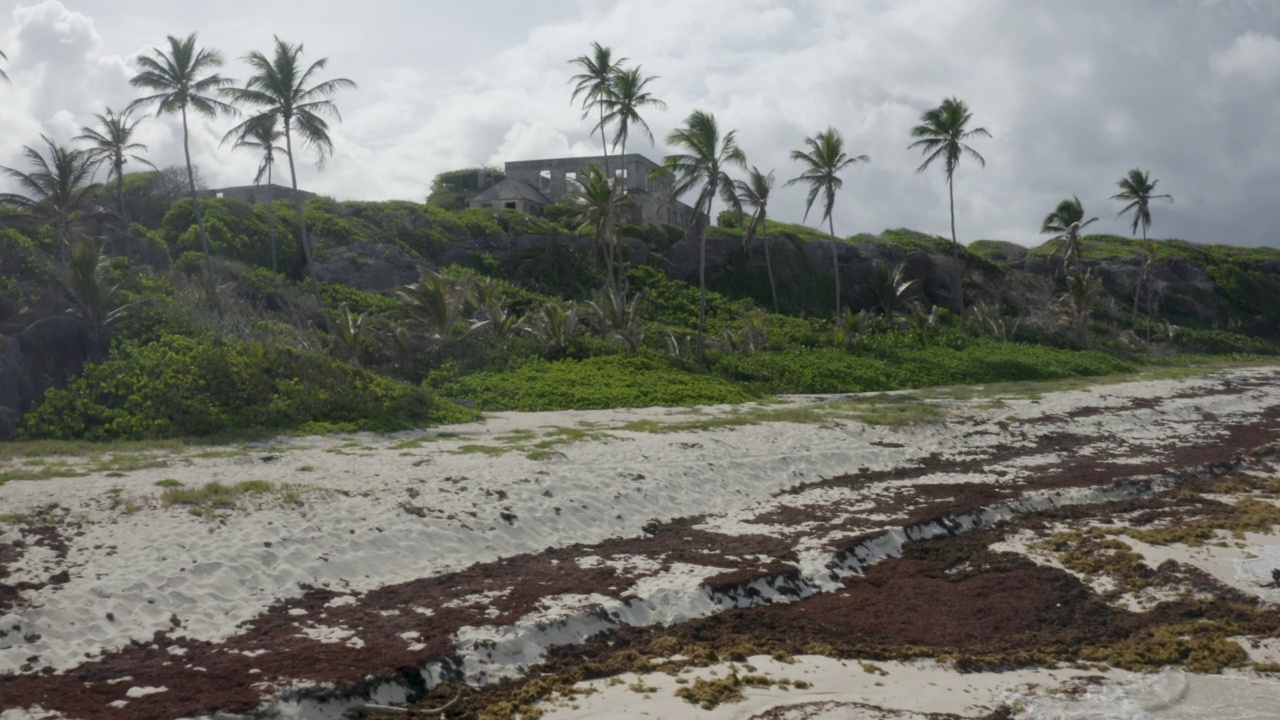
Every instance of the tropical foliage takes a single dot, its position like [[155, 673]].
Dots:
[[823, 163], [943, 134], [180, 79]]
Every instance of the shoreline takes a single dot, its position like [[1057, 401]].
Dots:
[[453, 528]]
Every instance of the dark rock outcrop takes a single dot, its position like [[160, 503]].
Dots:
[[377, 268]]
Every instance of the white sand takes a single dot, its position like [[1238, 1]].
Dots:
[[137, 566]]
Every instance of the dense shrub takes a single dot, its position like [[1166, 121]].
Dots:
[[826, 370], [597, 382], [181, 386]]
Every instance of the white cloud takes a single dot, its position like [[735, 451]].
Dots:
[[1252, 55], [1074, 93]]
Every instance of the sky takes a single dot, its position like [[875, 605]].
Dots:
[[1074, 94]]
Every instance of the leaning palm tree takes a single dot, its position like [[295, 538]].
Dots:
[[594, 85], [279, 89], [599, 205], [1065, 223], [754, 193], [180, 79], [1137, 188], [57, 191], [824, 162], [704, 163], [942, 133], [263, 136], [111, 144], [622, 104]]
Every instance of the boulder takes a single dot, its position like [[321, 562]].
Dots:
[[15, 389], [371, 267]]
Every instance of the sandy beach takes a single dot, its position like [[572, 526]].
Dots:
[[779, 560]]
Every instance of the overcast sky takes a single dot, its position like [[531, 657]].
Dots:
[[1074, 93]]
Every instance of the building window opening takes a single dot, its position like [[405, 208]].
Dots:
[[569, 179], [544, 182], [511, 205]]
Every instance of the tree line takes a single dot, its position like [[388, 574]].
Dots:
[[705, 154], [282, 99]]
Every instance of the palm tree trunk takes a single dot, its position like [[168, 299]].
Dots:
[[603, 146], [271, 217], [195, 202], [768, 265], [124, 212], [297, 198], [951, 192], [702, 275], [835, 261], [1137, 291]]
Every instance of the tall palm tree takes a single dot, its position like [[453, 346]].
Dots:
[[942, 133], [185, 78], [754, 193], [622, 104], [263, 137], [57, 190], [1150, 253], [824, 162], [111, 144], [594, 85], [1137, 188], [1065, 223], [704, 163], [279, 89], [599, 205]]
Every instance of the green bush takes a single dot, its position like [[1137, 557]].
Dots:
[[181, 387], [598, 382], [894, 366]]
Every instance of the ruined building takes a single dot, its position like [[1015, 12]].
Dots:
[[531, 185]]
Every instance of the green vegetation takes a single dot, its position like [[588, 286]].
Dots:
[[188, 387], [596, 382], [180, 317], [214, 496]]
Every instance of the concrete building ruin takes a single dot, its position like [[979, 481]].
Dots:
[[531, 185]]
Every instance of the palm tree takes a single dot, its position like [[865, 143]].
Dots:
[[890, 289], [263, 137], [825, 161], [436, 304], [1065, 223], [599, 205], [181, 79], [754, 193], [111, 144], [1083, 291], [622, 104], [943, 132], [278, 89], [58, 189], [705, 161], [595, 84], [1137, 188]]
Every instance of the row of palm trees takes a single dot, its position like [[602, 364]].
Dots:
[[705, 155], [281, 100], [616, 94]]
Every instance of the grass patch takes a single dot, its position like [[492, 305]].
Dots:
[[609, 381], [213, 496], [84, 448]]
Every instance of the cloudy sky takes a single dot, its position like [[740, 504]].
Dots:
[[1074, 93]]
